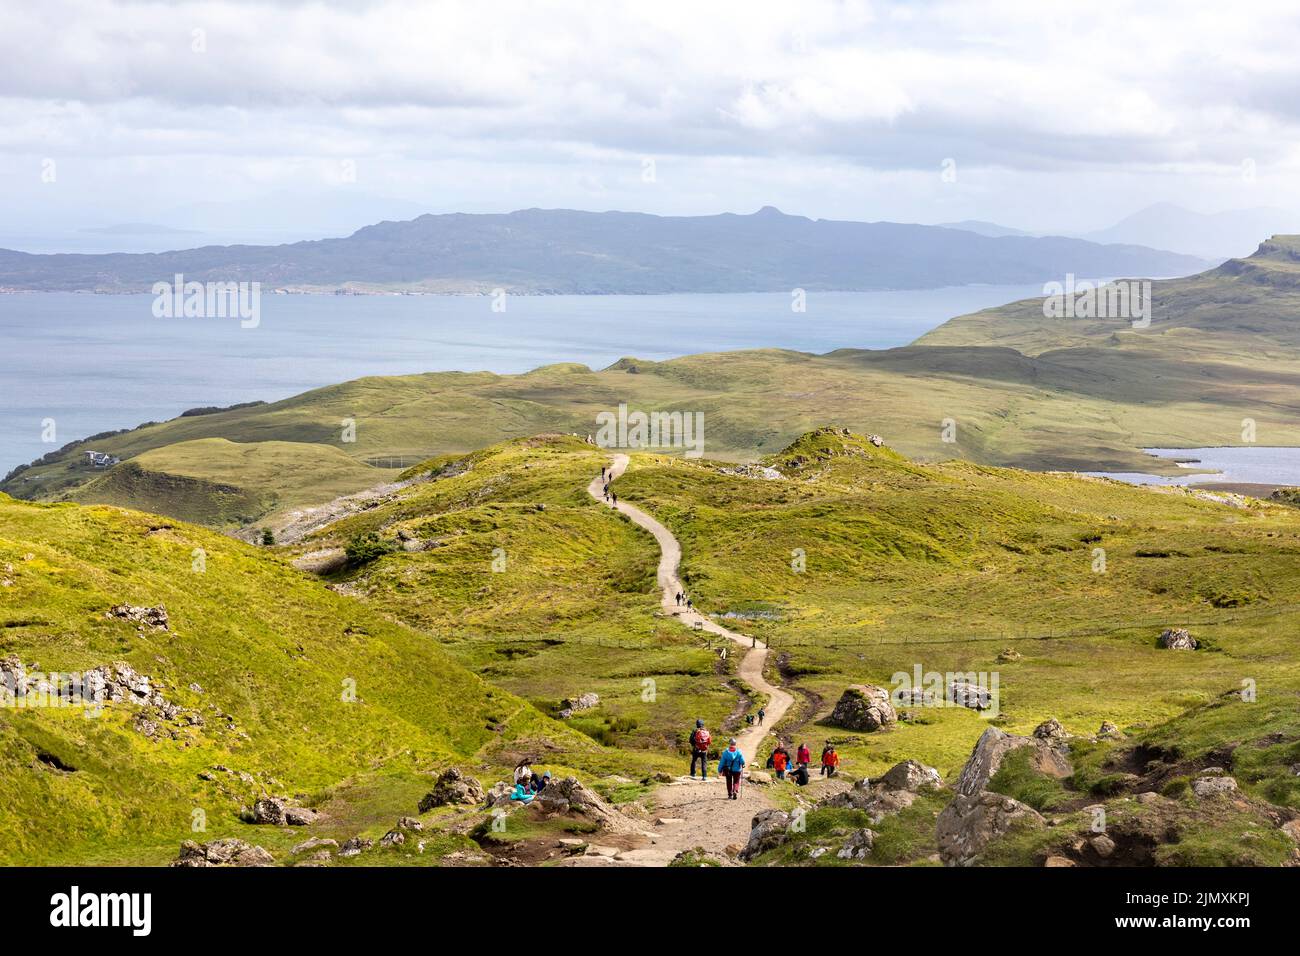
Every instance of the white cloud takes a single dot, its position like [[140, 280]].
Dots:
[[554, 103]]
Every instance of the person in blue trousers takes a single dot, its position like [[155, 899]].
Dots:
[[730, 766]]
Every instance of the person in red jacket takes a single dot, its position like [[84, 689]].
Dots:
[[803, 756], [830, 760]]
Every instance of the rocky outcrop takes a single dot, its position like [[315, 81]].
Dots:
[[858, 846], [568, 796], [355, 846], [1050, 729], [863, 707], [1213, 786], [1177, 639], [1049, 757], [279, 812], [970, 823], [912, 776], [1108, 731], [767, 830], [452, 788], [229, 852], [155, 617], [572, 705]]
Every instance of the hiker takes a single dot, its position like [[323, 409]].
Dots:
[[730, 765], [762, 712], [780, 760], [830, 760], [749, 719], [689, 605], [679, 598], [700, 740], [803, 756], [522, 793], [614, 497], [523, 773], [539, 783], [800, 775], [753, 642]]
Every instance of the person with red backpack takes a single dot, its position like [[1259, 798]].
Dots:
[[700, 741]]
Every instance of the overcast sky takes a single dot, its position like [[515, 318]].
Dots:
[[274, 120]]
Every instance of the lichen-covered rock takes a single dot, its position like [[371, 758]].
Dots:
[[572, 705], [913, 776], [863, 707], [228, 852], [767, 830], [1108, 731], [858, 846], [570, 796], [1049, 757], [1177, 639], [1009, 655], [973, 696], [355, 846], [1213, 786], [1050, 729], [155, 617], [315, 844], [969, 824], [452, 788]]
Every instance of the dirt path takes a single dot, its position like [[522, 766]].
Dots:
[[696, 813]]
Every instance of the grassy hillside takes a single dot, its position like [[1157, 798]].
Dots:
[[947, 566], [533, 585], [217, 482], [260, 654]]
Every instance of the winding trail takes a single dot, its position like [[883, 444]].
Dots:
[[700, 813]]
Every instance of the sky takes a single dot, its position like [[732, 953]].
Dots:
[[242, 121]]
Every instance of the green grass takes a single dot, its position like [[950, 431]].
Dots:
[[269, 647]]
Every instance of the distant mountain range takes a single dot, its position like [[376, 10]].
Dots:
[[569, 252], [1218, 235]]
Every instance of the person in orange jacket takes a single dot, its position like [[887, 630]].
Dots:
[[780, 760], [830, 760]]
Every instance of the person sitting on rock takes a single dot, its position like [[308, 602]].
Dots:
[[522, 793], [539, 783], [800, 775], [523, 773]]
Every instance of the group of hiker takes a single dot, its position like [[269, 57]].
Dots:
[[528, 782], [731, 763], [684, 600], [780, 763], [607, 475]]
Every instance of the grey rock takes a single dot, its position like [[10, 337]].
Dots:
[[969, 824], [913, 776], [1213, 786], [863, 707], [1177, 639], [452, 788], [768, 829]]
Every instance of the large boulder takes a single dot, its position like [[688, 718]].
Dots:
[[767, 830], [1213, 786], [570, 796], [913, 776], [1050, 729], [1049, 757], [572, 705], [451, 788], [863, 707], [858, 846], [969, 824], [1177, 639]]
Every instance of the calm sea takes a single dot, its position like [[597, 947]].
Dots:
[[1232, 464], [98, 362]]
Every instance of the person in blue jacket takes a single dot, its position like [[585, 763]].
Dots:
[[730, 766]]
